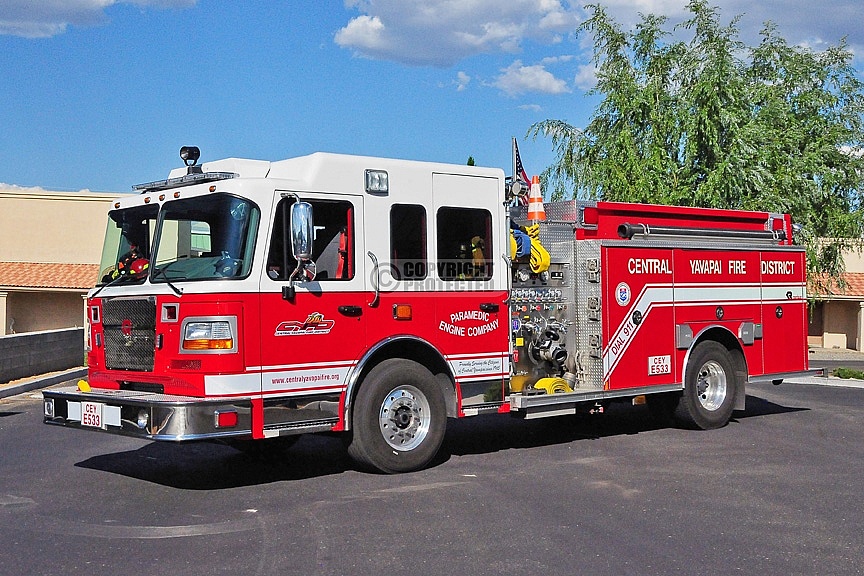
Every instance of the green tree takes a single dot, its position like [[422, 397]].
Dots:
[[712, 122]]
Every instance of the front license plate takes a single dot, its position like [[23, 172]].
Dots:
[[91, 414]]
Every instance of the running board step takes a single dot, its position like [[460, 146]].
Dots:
[[546, 405], [306, 427]]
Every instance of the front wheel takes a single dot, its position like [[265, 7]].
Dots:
[[399, 418], [709, 388]]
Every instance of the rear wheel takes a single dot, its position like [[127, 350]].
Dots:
[[709, 388], [399, 418]]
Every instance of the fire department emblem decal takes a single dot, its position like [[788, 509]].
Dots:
[[314, 324], [622, 294], [126, 330]]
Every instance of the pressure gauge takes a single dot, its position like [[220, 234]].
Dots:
[[544, 276], [522, 275]]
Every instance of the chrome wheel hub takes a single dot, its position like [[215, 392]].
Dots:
[[711, 385], [404, 418]]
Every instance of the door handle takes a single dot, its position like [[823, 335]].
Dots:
[[350, 310], [377, 278], [489, 307]]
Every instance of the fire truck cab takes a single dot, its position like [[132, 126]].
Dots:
[[243, 301]]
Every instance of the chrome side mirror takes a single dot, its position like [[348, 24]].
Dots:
[[302, 231], [302, 236]]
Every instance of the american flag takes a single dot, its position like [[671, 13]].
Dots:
[[520, 171]]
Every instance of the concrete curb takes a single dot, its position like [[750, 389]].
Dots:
[[42, 382], [827, 381]]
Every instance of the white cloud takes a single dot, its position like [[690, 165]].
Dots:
[[670, 8], [800, 22], [557, 59], [33, 189], [363, 31], [531, 107], [586, 77], [462, 81], [16, 188], [519, 79], [442, 32], [44, 19], [852, 151]]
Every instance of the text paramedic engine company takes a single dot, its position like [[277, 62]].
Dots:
[[452, 328], [662, 266]]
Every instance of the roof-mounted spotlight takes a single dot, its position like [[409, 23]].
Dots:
[[190, 156]]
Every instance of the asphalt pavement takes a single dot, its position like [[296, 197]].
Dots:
[[777, 491]]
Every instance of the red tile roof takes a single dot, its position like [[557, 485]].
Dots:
[[852, 286], [36, 275]]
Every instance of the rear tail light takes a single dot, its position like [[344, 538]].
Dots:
[[226, 419]]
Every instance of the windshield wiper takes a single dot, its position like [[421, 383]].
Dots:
[[111, 283], [161, 272]]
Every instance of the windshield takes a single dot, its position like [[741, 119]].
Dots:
[[128, 238], [205, 238]]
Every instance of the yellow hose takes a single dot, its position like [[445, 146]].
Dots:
[[553, 385]]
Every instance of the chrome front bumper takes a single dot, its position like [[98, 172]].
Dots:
[[147, 415]]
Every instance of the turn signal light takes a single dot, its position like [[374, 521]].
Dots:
[[402, 311], [224, 344]]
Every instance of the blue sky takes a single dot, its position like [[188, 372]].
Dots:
[[101, 94]]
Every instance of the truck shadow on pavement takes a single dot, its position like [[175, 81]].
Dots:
[[209, 466], [487, 434]]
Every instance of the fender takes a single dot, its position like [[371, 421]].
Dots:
[[740, 392], [353, 380]]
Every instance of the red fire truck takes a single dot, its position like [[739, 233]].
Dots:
[[249, 302]]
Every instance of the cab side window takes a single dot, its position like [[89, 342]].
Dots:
[[464, 243], [408, 241], [333, 246]]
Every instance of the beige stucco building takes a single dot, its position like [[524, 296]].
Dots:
[[50, 247], [837, 319]]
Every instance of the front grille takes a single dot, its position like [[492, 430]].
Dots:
[[129, 325]]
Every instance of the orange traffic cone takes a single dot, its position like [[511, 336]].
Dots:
[[535, 201]]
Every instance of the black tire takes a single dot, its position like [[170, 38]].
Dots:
[[709, 388], [399, 418]]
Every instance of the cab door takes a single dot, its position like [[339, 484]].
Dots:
[[311, 339], [472, 319], [440, 278]]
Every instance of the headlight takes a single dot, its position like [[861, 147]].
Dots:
[[215, 335]]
